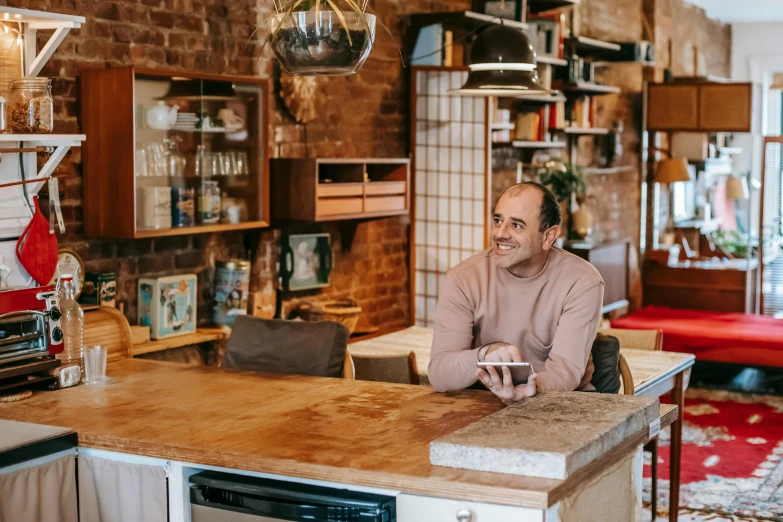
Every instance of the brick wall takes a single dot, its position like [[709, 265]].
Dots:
[[363, 115]]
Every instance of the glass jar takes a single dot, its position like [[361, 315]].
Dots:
[[209, 202], [30, 106], [231, 289]]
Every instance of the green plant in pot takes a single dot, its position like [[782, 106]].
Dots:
[[568, 185], [321, 37]]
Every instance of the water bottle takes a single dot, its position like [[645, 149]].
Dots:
[[72, 324]]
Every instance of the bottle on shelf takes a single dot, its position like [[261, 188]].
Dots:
[[72, 324]]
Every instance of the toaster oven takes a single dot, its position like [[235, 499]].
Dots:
[[29, 324]]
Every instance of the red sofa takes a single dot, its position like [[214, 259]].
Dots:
[[754, 340]]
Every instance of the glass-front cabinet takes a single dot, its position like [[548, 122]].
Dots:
[[173, 153]]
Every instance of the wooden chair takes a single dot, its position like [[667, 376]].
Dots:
[[396, 368], [636, 339], [106, 326], [640, 340], [349, 372]]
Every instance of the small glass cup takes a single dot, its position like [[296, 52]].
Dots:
[[95, 366]]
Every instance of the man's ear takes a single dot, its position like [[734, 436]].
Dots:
[[550, 236]]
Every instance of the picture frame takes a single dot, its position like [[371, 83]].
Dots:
[[306, 261]]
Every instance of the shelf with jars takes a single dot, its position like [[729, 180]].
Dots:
[[175, 153], [27, 111]]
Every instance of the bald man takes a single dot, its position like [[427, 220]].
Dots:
[[520, 300]]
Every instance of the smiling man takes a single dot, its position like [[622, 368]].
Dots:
[[520, 300]]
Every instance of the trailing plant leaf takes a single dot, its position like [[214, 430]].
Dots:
[[342, 19]]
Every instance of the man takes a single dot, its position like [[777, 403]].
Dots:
[[520, 300]]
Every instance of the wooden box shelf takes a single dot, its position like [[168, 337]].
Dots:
[[336, 189], [132, 159]]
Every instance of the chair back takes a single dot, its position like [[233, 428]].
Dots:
[[397, 368], [636, 339], [106, 326], [297, 347], [625, 375]]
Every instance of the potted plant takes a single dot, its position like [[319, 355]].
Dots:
[[567, 183], [321, 37]]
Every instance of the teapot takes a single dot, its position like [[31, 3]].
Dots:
[[162, 116]]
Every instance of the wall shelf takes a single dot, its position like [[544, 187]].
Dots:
[[72, 140], [603, 171], [585, 47], [554, 98], [548, 60], [15, 214], [586, 88], [502, 126], [316, 190], [35, 21], [539, 144], [582, 131]]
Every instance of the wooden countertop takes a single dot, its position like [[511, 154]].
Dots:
[[352, 432]]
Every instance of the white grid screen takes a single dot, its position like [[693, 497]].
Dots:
[[450, 189]]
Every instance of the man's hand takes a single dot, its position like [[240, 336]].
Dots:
[[505, 389], [501, 352]]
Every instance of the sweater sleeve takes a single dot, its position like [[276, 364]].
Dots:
[[573, 342], [452, 361]]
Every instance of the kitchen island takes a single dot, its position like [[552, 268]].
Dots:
[[357, 435]]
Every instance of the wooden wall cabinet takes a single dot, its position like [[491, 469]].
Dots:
[[702, 107], [219, 135], [335, 189]]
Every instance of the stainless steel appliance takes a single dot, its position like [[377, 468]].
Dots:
[[225, 497], [29, 324]]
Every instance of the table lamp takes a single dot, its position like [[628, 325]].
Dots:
[[671, 171], [737, 188]]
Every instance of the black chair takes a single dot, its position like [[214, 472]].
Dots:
[[280, 346]]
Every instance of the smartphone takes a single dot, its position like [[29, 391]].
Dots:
[[520, 371]]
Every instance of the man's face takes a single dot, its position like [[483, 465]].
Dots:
[[516, 239]]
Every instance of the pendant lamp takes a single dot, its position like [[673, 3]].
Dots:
[[503, 63]]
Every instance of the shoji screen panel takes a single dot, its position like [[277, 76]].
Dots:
[[450, 181]]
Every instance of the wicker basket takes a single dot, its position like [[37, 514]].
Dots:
[[343, 311]]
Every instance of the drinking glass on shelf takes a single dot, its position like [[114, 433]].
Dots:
[[141, 163], [156, 159], [244, 163], [235, 163], [228, 169], [217, 164]]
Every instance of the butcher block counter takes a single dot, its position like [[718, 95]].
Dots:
[[359, 433]]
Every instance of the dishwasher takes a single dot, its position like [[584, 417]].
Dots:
[[226, 497]]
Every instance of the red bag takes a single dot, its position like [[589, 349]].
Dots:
[[37, 248]]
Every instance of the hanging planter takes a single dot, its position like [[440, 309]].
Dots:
[[320, 38]]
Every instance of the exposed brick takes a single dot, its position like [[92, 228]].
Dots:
[[193, 259], [155, 264]]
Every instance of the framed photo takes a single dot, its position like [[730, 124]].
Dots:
[[306, 261]]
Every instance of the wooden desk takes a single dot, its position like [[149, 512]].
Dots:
[[654, 373]]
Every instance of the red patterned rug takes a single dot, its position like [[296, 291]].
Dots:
[[732, 456]]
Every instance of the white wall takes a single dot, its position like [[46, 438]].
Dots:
[[757, 54]]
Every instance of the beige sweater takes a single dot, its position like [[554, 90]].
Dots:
[[551, 317]]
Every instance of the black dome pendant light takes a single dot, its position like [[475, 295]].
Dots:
[[503, 63]]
